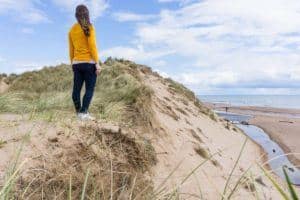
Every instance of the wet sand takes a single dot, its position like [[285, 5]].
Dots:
[[282, 125], [284, 131]]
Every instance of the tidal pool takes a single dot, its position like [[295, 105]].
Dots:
[[276, 156]]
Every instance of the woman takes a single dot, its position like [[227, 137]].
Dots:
[[84, 60]]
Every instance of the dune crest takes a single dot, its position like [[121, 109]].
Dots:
[[153, 139]]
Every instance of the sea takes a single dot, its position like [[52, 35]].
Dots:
[[276, 101]]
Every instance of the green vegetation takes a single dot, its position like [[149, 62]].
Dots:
[[8, 79], [292, 191], [175, 87], [212, 116], [2, 143], [119, 92], [181, 89], [202, 151]]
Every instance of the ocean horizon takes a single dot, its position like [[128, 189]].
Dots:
[[276, 101]]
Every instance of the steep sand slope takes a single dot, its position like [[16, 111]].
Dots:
[[182, 131]]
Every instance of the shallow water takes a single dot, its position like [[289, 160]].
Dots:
[[276, 156]]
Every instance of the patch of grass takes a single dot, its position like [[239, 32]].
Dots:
[[33, 103], [234, 167], [119, 94], [276, 185], [12, 175], [49, 79], [12, 102], [117, 163], [291, 189], [227, 125], [8, 79], [196, 136], [212, 116], [181, 89], [202, 151], [2, 143], [182, 111]]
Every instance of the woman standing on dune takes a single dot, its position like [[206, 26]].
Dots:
[[84, 60]]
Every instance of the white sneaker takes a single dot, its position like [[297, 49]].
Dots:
[[85, 117], [89, 117], [81, 116]]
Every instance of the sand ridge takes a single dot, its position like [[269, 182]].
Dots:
[[186, 136]]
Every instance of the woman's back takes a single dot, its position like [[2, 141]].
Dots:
[[84, 60], [84, 48]]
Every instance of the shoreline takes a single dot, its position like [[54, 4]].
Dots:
[[282, 125], [256, 110], [285, 139]]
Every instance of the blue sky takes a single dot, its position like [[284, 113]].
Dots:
[[212, 46]]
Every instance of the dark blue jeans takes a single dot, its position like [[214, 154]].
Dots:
[[83, 73]]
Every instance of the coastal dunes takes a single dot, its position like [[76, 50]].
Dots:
[[153, 139]]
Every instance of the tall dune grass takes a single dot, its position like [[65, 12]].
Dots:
[[119, 92]]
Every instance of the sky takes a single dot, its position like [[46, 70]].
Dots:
[[211, 46]]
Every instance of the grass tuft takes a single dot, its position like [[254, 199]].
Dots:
[[290, 186]]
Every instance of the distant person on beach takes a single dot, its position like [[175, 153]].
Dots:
[[84, 60]]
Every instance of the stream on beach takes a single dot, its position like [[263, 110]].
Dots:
[[276, 156]]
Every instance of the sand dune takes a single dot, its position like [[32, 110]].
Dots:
[[173, 147]]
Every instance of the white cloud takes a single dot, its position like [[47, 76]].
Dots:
[[182, 2], [32, 11], [138, 53], [128, 16], [26, 10], [26, 30], [27, 65], [228, 44], [96, 7]]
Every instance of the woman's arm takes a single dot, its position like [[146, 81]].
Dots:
[[93, 44], [71, 49]]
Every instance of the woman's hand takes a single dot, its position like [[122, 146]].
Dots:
[[98, 69]]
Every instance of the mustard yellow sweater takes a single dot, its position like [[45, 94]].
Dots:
[[81, 47]]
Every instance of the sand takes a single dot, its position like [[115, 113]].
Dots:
[[183, 132], [3, 87], [196, 151], [281, 124]]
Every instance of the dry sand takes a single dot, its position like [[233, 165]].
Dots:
[[183, 131], [3, 87]]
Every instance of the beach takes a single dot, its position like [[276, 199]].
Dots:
[[281, 124]]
